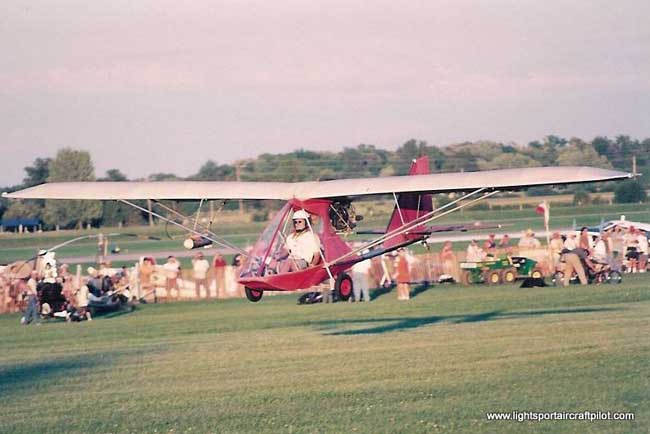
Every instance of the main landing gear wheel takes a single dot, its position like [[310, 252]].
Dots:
[[253, 295], [343, 287]]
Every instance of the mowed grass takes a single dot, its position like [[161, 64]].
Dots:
[[437, 363]]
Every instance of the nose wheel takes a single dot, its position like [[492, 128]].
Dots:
[[253, 295]]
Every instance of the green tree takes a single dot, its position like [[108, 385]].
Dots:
[[507, 161], [156, 177], [71, 165], [629, 191], [114, 175], [115, 213], [580, 153], [581, 197], [37, 173], [211, 171], [23, 209]]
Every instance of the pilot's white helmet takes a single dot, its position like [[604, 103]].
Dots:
[[300, 214]]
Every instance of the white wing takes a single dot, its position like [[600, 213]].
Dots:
[[441, 182]]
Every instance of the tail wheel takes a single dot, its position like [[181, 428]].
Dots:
[[343, 287], [558, 278], [508, 275], [253, 295], [615, 277], [492, 277], [536, 274]]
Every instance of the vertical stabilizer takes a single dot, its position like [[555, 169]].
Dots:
[[410, 207]]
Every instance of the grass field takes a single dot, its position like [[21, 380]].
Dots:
[[437, 363]]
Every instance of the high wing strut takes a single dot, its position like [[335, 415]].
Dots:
[[425, 218], [211, 236]]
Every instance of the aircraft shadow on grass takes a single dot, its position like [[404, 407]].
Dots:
[[387, 325], [31, 378]]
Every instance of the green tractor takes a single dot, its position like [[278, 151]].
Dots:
[[499, 270]]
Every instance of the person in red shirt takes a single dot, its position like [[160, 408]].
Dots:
[[402, 275]]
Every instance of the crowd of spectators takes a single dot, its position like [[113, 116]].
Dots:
[[44, 289], [25, 286]]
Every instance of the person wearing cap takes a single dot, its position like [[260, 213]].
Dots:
[[556, 247], [474, 252], [528, 241], [570, 243], [303, 244], [505, 245], [200, 267]]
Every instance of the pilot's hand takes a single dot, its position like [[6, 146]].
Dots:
[[280, 254]]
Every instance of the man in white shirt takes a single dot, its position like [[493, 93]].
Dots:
[[360, 272], [528, 241], [474, 252], [303, 244], [200, 267], [172, 270], [570, 243]]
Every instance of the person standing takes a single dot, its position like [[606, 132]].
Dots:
[[32, 307], [556, 246], [642, 246], [172, 270], [474, 252], [360, 272], [573, 263], [146, 271], [402, 275], [200, 267], [449, 261], [219, 265]]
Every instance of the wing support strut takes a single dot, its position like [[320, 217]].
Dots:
[[210, 237], [425, 218], [207, 230]]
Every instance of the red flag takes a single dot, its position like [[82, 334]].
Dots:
[[543, 209]]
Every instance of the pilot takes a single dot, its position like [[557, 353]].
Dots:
[[303, 244]]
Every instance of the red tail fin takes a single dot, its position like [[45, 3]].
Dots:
[[411, 206]]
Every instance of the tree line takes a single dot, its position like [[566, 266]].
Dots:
[[622, 153]]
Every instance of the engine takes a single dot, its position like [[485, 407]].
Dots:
[[343, 216]]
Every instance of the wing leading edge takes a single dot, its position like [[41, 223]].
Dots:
[[506, 179]]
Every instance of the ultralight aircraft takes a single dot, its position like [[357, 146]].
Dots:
[[330, 203]]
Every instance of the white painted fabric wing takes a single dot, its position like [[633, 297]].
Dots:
[[506, 179]]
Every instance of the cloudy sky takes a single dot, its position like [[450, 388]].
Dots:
[[162, 86]]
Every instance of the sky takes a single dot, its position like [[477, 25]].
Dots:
[[163, 86]]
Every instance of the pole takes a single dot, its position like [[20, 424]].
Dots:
[[238, 177]]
